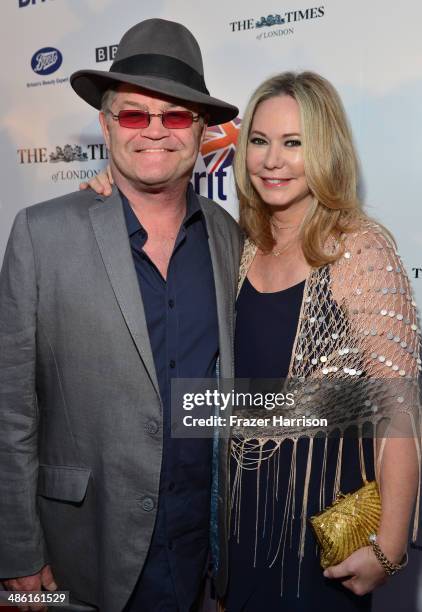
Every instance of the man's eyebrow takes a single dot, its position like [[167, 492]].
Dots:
[[135, 104], [166, 105]]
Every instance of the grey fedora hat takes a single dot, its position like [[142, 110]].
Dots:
[[159, 56]]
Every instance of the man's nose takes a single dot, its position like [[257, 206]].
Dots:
[[155, 129]]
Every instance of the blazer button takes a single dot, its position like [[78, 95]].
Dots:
[[151, 427], [147, 504]]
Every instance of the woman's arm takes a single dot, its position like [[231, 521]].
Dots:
[[399, 477], [101, 183], [370, 281]]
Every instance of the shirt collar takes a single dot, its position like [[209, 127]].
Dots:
[[132, 222], [193, 212], [193, 208]]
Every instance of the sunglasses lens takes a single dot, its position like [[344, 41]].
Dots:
[[140, 119], [133, 119], [175, 120]]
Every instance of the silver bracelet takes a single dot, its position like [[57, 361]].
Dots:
[[390, 568]]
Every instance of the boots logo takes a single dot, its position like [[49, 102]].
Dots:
[[46, 60]]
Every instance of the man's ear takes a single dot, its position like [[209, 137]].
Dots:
[[104, 128]]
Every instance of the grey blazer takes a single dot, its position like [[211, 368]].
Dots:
[[79, 466]]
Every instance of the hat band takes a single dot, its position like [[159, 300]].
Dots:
[[164, 66]]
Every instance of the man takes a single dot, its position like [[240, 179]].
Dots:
[[102, 303]]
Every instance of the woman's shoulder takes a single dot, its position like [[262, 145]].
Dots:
[[369, 263], [366, 247], [366, 236]]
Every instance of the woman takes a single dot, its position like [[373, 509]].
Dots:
[[323, 298]]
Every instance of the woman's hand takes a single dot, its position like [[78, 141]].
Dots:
[[101, 183], [361, 572]]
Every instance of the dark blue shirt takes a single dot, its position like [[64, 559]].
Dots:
[[181, 316]]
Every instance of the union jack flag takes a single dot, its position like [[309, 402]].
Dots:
[[220, 144]]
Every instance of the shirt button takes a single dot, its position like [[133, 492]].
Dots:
[[172, 363], [147, 504], [171, 303], [170, 545], [151, 427], [171, 486]]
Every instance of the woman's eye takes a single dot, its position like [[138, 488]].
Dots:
[[293, 143], [256, 140]]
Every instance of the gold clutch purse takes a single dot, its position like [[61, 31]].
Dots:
[[346, 525]]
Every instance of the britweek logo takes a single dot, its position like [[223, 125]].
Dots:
[[23, 3], [217, 153], [286, 19], [46, 60]]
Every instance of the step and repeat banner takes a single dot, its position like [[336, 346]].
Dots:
[[371, 51]]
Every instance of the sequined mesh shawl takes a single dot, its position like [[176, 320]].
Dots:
[[355, 360]]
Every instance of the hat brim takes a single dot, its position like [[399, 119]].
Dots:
[[91, 85]]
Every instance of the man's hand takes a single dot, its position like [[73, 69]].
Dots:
[[101, 183], [44, 579], [361, 572]]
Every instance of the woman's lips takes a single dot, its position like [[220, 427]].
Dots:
[[276, 182]]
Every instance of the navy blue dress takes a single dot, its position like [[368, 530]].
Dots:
[[259, 577]]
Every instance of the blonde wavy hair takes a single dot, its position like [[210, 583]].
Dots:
[[331, 167]]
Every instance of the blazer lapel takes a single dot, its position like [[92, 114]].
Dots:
[[110, 231]]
